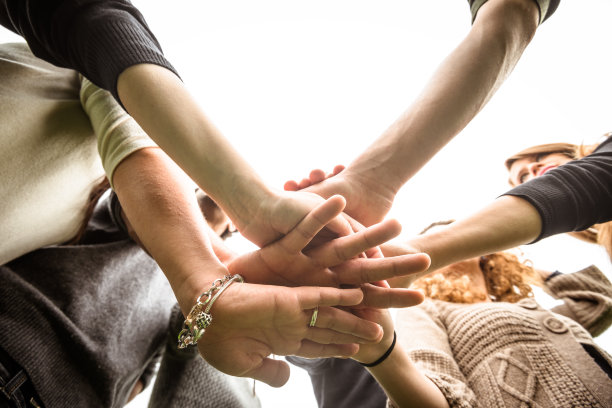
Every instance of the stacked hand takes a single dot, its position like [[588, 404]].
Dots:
[[270, 315], [253, 321], [335, 263], [368, 200]]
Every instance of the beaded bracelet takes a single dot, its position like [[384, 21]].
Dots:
[[384, 356], [199, 317]]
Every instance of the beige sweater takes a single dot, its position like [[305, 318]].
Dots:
[[515, 355], [50, 125]]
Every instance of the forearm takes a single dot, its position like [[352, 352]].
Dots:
[[505, 223], [458, 90], [160, 203], [404, 384], [163, 107]]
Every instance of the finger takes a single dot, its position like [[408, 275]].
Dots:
[[310, 297], [327, 336], [304, 183], [311, 349], [344, 248], [384, 298], [291, 185], [339, 226], [373, 253], [344, 322], [317, 176], [312, 223], [337, 170], [275, 373], [364, 270]]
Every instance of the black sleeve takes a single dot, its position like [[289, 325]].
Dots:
[[574, 196], [98, 38]]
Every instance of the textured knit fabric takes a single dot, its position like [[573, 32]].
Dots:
[[494, 354], [574, 196], [98, 38], [512, 355], [85, 321], [547, 8], [48, 157]]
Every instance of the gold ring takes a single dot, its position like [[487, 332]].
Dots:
[[313, 319]]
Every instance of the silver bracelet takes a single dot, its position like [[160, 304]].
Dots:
[[199, 317]]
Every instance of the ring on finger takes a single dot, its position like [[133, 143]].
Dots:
[[313, 319]]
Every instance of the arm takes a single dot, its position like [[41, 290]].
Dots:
[[110, 43], [587, 297], [403, 382], [570, 197], [505, 223], [457, 91], [574, 196], [251, 321]]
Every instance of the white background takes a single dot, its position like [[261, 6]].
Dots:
[[297, 85]]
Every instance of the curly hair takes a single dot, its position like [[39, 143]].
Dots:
[[507, 280]]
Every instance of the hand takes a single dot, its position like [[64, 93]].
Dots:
[[334, 263], [368, 200], [250, 322], [369, 353], [280, 212]]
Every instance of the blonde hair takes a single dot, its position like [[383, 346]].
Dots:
[[597, 234], [507, 280]]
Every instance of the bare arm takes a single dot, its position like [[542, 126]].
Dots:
[[505, 223], [457, 91], [403, 382]]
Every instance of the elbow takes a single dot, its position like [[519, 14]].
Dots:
[[511, 24]]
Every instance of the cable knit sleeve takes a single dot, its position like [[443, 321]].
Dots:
[[98, 38], [422, 334], [587, 297], [574, 196], [118, 134]]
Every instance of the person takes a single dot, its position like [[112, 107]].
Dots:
[[537, 160], [481, 339], [53, 100], [461, 86], [110, 43], [572, 196], [86, 324]]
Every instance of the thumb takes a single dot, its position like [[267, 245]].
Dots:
[[275, 373]]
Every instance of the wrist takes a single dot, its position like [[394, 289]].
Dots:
[[195, 281], [388, 349]]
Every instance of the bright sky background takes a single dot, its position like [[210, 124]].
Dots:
[[298, 85]]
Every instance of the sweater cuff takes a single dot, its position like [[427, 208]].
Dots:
[[114, 44]]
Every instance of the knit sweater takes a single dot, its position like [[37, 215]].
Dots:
[[87, 321], [98, 38], [511, 355]]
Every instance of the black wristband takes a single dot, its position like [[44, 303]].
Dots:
[[384, 356]]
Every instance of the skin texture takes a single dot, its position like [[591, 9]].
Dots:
[[462, 85], [163, 107], [253, 321], [505, 223]]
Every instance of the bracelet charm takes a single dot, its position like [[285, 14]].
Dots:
[[199, 317]]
